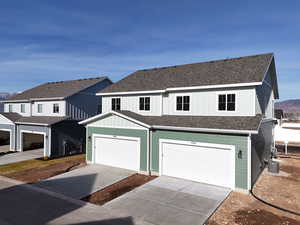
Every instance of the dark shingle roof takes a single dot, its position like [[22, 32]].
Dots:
[[11, 116], [62, 89], [43, 120], [229, 71], [244, 123]]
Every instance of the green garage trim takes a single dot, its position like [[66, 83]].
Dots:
[[142, 134], [240, 143]]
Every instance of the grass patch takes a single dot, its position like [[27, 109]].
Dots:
[[35, 163]]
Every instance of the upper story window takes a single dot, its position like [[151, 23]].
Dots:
[[22, 108], [183, 103], [226, 102], [145, 103], [116, 103], [56, 108], [40, 108], [10, 108]]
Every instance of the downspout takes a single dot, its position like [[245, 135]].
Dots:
[[150, 151], [249, 163]]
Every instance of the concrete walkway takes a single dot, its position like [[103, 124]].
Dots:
[[21, 156], [84, 181], [170, 201]]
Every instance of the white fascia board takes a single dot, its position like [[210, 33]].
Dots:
[[227, 131], [114, 113], [14, 101], [131, 93], [182, 89], [214, 86], [47, 99], [37, 124], [89, 120]]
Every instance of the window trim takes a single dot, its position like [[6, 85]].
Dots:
[[10, 108], [38, 111], [182, 95], [111, 103], [226, 93], [144, 104], [23, 106], [54, 108]]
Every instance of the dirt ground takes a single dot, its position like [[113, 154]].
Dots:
[[37, 174], [118, 189], [293, 149], [282, 190]]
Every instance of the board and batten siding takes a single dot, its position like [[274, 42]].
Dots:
[[262, 144], [114, 121], [85, 103], [17, 108], [264, 98], [240, 143], [202, 103], [35, 129], [11, 129], [142, 134], [48, 108], [131, 103], [205, 102]]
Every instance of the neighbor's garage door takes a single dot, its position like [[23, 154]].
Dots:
[[212, 164], [122, 152]]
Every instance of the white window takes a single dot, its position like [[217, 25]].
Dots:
[[40, 108], [10, 108], [183, 103], [56, 108], [145, 103], [226, 102], [22, 108], [116, 103]]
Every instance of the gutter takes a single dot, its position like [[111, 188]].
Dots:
[[209, 130]]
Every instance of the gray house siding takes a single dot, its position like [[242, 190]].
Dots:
[[85, 104], [67, 137], [41, 129], [12, 129], [261, 149]]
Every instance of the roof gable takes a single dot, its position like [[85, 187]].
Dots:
[[242, 70]]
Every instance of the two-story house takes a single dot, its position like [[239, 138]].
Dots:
[[209, 122], [47, 116]]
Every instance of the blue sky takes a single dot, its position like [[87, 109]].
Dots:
[[52, 40]]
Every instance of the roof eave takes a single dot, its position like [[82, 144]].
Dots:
[[209, 130], [182, 89]]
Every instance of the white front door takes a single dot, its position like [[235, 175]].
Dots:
[[212, 164], [122, 152]]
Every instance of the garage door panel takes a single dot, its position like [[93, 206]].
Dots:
[[198, 163], [117, 152]]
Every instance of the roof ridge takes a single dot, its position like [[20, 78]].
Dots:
[[210, 61], [81, 79]]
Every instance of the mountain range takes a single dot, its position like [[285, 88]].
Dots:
[[289, 106]]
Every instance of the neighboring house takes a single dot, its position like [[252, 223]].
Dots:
[[209, 122], [49, 113]]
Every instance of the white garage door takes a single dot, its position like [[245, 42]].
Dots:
[[212, 164], [122, 152]]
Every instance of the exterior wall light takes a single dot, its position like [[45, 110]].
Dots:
[[240, 154]]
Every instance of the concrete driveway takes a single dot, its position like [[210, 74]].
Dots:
[[84, 181], [169, 201], [21, 156], [4, 148]]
